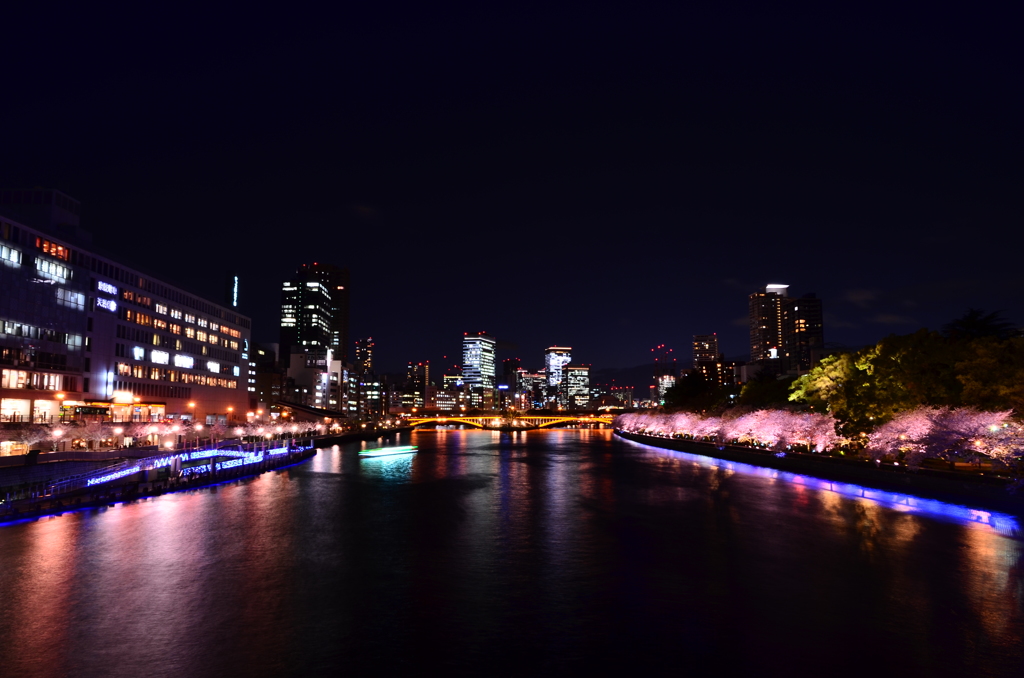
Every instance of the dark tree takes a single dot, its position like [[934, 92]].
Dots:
[[977, 324]]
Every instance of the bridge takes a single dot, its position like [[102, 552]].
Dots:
[[524, 421]]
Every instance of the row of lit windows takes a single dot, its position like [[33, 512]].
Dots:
[[52, 270], [162, 309], [53, 249], [11, 328], [36, 380], [162, 374]]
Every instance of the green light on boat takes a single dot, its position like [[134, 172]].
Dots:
[[386, 451]]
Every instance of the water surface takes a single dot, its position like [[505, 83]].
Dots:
[[527, 553]]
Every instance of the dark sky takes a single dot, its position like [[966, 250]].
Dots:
[[607, 176]]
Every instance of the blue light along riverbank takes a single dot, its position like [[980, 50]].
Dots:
[[989, 492], [532, 553]]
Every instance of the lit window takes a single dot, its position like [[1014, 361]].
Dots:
[[52, 270], [53, 249], [161, 309], [9, 254]]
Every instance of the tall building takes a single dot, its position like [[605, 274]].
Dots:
[[555, 358], [576, 385], [364, 355], [478, 349], [766, 323], [83, 334], [314, 311], [705, 348], [785, 333], [802, 331], [706, 358]]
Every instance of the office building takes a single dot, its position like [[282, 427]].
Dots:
[[314, 311], [576, 386], [478, 349], [555, 358], [81, 333]]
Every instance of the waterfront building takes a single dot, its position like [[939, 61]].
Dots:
[[372, 401], [556, 357], [314, 311], [576, 386], [81, 333], [478, 349]]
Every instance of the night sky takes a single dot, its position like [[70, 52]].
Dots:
[[605, 176]]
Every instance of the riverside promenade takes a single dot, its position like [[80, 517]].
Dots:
[[134, 478], [989, 491]]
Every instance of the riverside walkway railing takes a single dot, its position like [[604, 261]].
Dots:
[[239, 454]]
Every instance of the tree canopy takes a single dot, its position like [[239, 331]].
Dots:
[[973, 363]]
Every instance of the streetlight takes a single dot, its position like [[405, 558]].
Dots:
[[60, 406]]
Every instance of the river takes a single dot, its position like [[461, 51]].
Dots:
[[528, 553]]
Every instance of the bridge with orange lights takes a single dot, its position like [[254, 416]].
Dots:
[[523, 422]]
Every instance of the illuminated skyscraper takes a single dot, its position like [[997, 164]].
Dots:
[[314, 311], [478, 360], [555, 358], [766, 323], [576, 386]]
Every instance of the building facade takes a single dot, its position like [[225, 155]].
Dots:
[[803, 335], [576, 385], [555, 358], [314, 311], [765, 310], [81, 334]]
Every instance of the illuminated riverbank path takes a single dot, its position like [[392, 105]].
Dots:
[[521, 421]]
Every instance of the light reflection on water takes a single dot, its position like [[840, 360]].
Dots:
[[1002, 523], [522, 553]]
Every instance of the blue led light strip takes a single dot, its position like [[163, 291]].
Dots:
[[1002, 523]]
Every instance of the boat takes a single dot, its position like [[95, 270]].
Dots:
[[388, 451]]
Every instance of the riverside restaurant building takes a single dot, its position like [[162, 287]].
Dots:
[[85, 338]]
